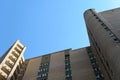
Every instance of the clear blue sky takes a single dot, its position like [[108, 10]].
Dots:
[[46, 26]]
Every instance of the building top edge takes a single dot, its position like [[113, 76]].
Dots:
[[58, 52], [49, 53]]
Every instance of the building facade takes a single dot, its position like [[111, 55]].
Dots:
[[11, 62], [104, 34], [63, 65]]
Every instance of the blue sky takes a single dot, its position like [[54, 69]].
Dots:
[[46, 26]]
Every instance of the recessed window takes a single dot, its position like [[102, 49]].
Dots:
[[68, 76], [99, 76], [67, 58], [100, 20], [93, 61], [95, 66], [103, 24], [40, 76], [68, 69], [94, 15], [67, 55], [116, 40], [111, 34], [97, 69], [106, 28], [97, 17], [91, 58]]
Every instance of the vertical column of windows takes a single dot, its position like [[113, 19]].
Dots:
[[68, 71], [43, 71], [100, 54], [44, 68], [98, 73]]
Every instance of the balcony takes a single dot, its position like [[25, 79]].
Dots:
[[9, 64], [7, 71], [15, 54], [12, 59], [2, 77], [18, 50], [20, 46]]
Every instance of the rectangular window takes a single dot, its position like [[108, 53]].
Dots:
[[116, 40]]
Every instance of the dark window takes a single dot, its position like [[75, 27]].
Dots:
[[97, 17], [116, 40], [68, 76], [111, 34], [106, 28], [100, 20], [103, 24]]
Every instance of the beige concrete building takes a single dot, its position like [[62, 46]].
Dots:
[[11, 62], [63, 65], [104, 33]]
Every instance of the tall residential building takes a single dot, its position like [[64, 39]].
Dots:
[[63, 65], [11, 62], [104, 34]]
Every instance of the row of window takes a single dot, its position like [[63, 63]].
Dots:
[[44, 64], [43, 70], [110, 33], [42, 75]]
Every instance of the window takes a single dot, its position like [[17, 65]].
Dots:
[[40, 70], [67, 58], [94, 15], [99, 76], [93, 61], [91, 58], [111, 34], [40, 76], [103, 24], [116, 40], [67, 63], [46, 69], [95, 66], [68, 69], [97, 17], [106, 28], [46, 74], [99, 20], [68, 76], [97, 69], [44, 64]]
